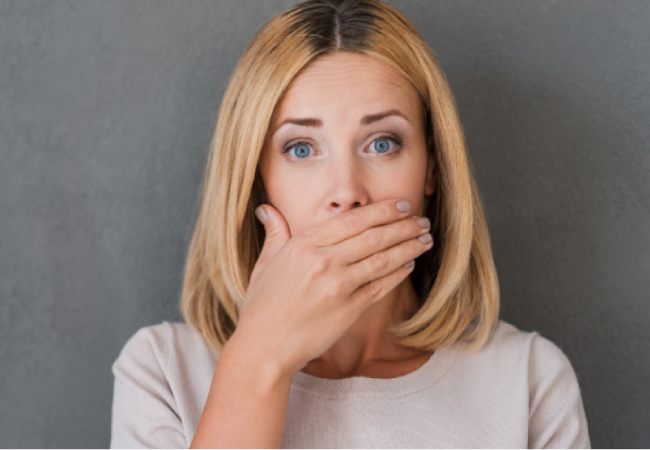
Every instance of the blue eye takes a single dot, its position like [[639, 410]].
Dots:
[[302, 150], [381, 145]]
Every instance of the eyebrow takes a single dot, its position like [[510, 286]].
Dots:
[[365, 120]]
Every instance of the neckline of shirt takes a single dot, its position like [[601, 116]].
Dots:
[[359, 386]]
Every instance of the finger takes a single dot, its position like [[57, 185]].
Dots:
[[276, 230], [355, 221], [385, 262], [380, 238], [371, 292]]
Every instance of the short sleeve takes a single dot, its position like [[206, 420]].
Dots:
[[143, 414], [557, 416]]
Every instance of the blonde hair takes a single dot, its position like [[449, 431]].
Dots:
[[456, 281]]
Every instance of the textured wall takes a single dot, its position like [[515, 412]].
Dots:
[[106, 112]]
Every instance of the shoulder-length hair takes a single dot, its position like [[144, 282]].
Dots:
[[456, 281]]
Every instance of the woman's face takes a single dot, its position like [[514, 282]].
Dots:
[[348, 132]]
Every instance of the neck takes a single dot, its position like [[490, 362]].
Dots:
[[367, 341]]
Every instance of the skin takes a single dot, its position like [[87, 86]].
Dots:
[[341, 166]]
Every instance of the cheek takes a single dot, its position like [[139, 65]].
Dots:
[[407, 178], [293, 196], [289, 188], [407, 181]]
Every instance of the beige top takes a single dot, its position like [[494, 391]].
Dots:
[[519, 391]]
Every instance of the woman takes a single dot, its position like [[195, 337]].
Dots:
[[339, 131]]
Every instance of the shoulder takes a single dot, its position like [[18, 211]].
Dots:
[[163, 334], [156, 344], [513, 354], [149, 401], [527, 369], [509, 342]]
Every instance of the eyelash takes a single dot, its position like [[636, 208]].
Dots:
[[395, 139]]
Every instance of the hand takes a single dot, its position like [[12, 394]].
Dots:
[[305, 291]]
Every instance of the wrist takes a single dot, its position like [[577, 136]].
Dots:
[[255, 363]]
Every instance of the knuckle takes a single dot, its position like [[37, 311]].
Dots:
[[372, 237], [333, 290], [320, 264], [390, 211], [373, 291], [315, 261], [379, 260], [412, 227], [407, 228]]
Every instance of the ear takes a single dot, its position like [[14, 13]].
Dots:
[[429, 185]]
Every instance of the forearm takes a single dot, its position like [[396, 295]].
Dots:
[[247, 403]]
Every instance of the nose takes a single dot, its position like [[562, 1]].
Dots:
[[347, 185]]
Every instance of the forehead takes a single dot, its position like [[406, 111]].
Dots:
[[348, 82]]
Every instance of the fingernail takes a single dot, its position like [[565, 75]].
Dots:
[[409, 264], [424, 222], [425, 238], [403, 206], [261, 214]]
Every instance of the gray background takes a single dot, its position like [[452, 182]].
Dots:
[[106, 113]]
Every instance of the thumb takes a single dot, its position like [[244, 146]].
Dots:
[[277, 230]]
